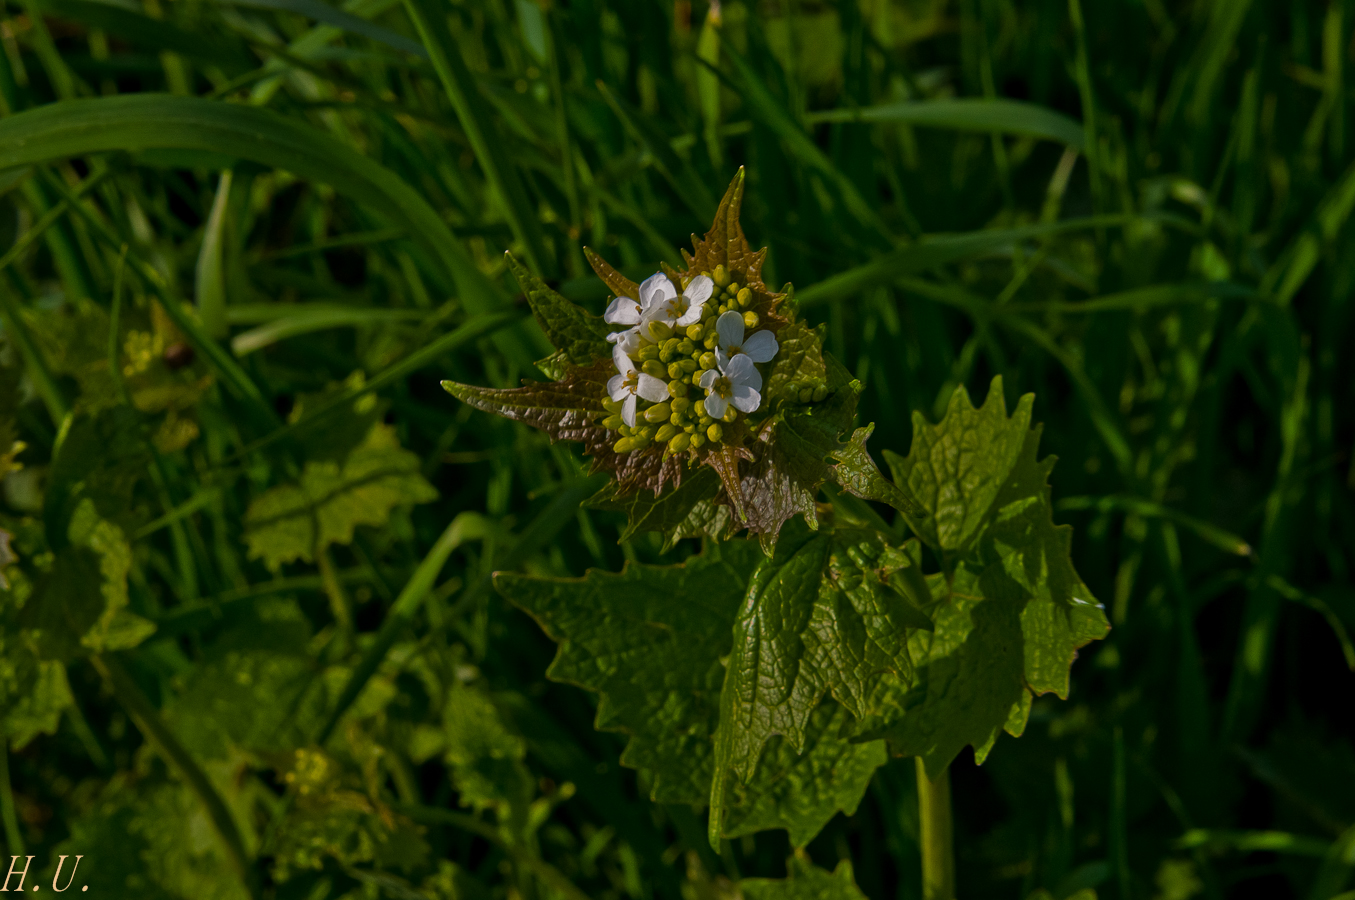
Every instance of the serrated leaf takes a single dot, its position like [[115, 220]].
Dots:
[[253, 688], [485, 753], [968, 676], [819, 618], [1062, 614], [618, 284], [157, 842], [666, 513], [571, 410], [650, 641], [1007, 625], [805, 881], [570, 328], [296, 521], [725, 243], [799, 358], [857, 474], [792, 455], [81, 603], [799, 791], [33, 692], [956, 467]]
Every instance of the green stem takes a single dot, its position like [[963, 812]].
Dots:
[[13, 839], [938, 851]]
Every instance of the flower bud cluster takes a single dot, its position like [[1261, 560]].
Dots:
[[692, 343]]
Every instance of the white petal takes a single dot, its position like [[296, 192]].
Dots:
[[652, 389], [742, 371], [716, 405], [656, 289], [622, 360], [700, 289], [628, 340], [616, 388], [730, 328], [745, 398], [722, 358], [708, 378], [628, 410], [623, 311], [761, 346], [692, 315]]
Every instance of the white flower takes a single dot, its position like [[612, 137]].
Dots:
[[631, 382], [680, 309], [738, 382], [760, 346], [655, 291]]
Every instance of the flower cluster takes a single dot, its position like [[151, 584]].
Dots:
[[688, 353]]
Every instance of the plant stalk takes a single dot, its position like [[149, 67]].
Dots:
[[938, 849]]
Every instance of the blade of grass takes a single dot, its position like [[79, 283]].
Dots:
[[210, 282], [545, 526], [967, 114], [151, 121], [480, 130], [314, 317], [1224, 540], [938, 250], [765, 108], [481, 326]]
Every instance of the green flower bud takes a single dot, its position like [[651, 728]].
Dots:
[[681, 404], [686, 346], [658, 332], [659, 412], [698, 440], [654, 367], [626, 430], [695, 332], [730, 413], [720, 276], [612, 423], [695, 377], [723, 309], [700, 409], [688, 365], [715, 432], [677, 388], [645, 433], [750, 319], [745, 297], [679, 442], [625, 445], [648, 351], [712, 339], [820, 392], [806, 395], [690, 428], [666, 433], [708, 360], [612, 406], [675, 373]]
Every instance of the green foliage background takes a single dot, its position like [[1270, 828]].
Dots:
[[1155, 240]]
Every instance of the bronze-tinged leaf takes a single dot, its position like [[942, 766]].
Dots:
[[725, 461], [618, 284], [571, 410], [725, 243]]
